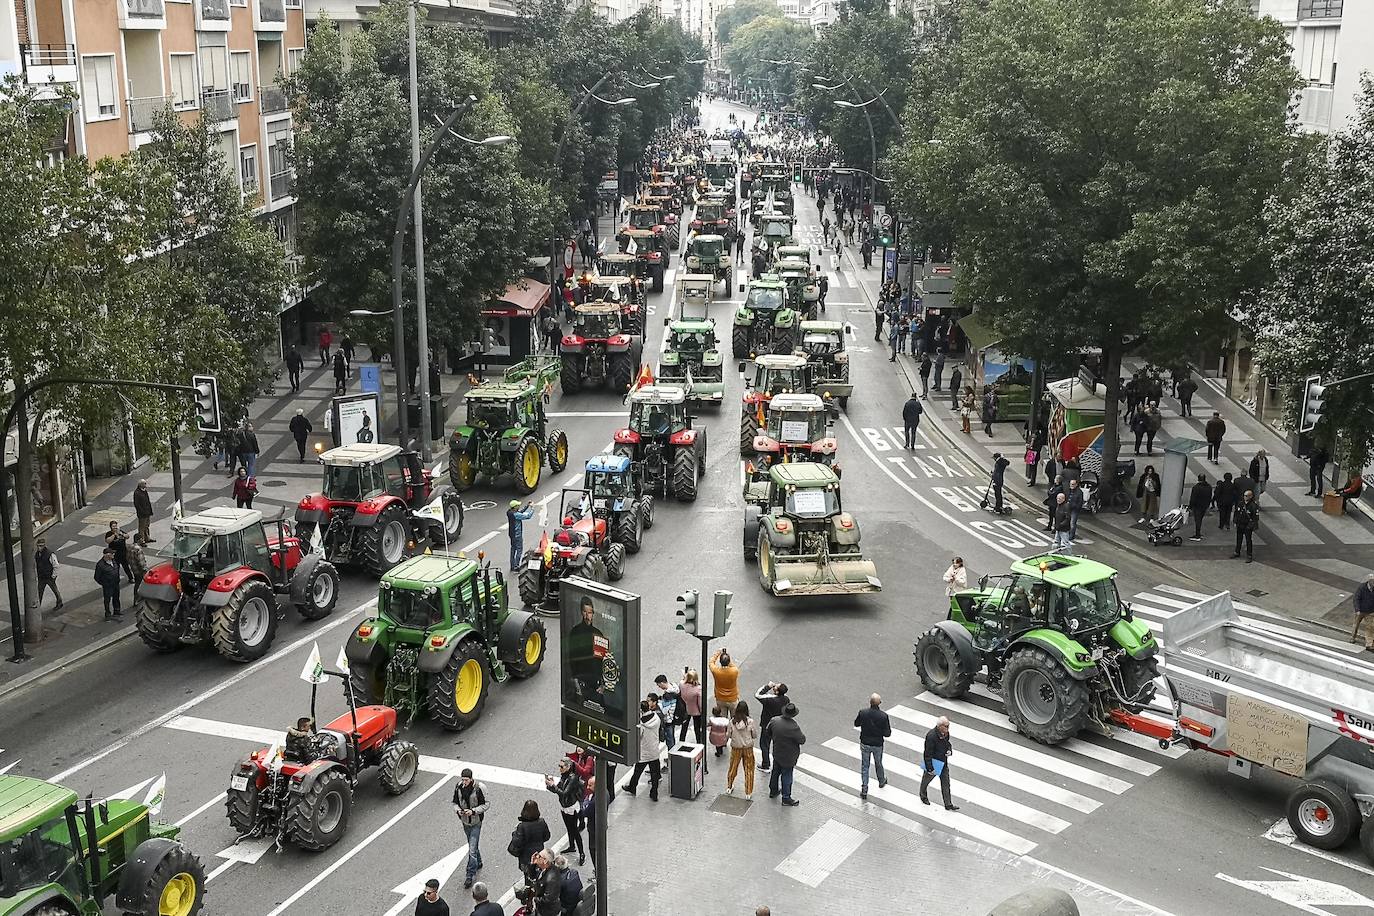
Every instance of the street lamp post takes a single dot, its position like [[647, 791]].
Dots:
[[872, 136]]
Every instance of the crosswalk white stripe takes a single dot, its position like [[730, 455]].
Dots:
[[910, 804], [980, 797], [998, 719], [1041, 760], [1153, 613], [1022, 781], [1166, 602]]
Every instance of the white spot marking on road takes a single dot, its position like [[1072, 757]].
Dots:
[[201, 810], [821, 853], [442, 871]]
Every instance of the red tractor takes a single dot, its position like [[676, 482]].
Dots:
[[598, 352], [372, 512], [223, 581], [654, 217], [598, 528], [302, 793]]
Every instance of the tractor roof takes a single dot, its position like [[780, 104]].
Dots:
[[692, 325], [767, 281], [497, 391], [821, 327], [802, 474], [26, 803], [618, 257], [609, 281], [643, 206], [608, 464], [638, 233], [780, 361], [792, 265], [429, 569], [658, 394], [359, 454], [709, 237], [598, 308], [808, 402], [1063, 571], [221, 520], [794, 251]]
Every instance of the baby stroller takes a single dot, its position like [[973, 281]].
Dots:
[[1164, 530]]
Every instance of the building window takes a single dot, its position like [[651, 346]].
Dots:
[[294, 57], [98, 86], [293, 4], [241, 72], [183, 81], [248, 168], [1320, 9], [1317, 54], [214, 67]]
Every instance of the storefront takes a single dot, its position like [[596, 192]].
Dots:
[[58, 482], [510, 322]]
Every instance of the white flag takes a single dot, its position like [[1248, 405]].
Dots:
[[153, 800], [342, 661], [434, 510], [273, 756], [176, 509], [313, 672], [632, 247]]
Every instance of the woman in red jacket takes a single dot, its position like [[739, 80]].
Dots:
[[245, 488]]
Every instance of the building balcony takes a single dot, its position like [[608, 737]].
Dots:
[[212, 15], [142, 14], [272, 99], [282, 183], [143, 112], [45, 64], [218, 105], [269, 15], [1314, 108]]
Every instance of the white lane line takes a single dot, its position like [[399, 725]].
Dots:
[[480, 541], [348, 856], [201, 810], [1050, 763], [980, 797], [821, 853], [1282, 833], [588, 413]]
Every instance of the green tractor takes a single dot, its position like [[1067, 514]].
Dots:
[[766, 322], [775, 229], [1054, 638], [822, 343], [507, 430], [803, 286], [442, 634], [709, 253], [61, 856]]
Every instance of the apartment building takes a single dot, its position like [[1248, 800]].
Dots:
[[1333, 45]]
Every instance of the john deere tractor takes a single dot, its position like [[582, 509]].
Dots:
[[801, 280], [442, 634], [507, 430], [822, 342], [1054, 638], [60, 855], [767, 320], [775, 229]]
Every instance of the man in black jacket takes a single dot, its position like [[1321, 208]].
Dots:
[[143, 510], [294, 363], [1199, 498], [107, 574], [1316, 464], [772, 698], [874, 727], [999, 477], [911, 419], [1224, 498], [1364, 610], [787, 740], [547, 885], [1247, 523], [936, 758], [301, 427], [45, 564]]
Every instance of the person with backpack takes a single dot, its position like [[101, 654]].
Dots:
[[470, 804], [568, 788], [570, 887]]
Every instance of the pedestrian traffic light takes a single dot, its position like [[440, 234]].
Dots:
[[722, 615], [688, 612], [1313, 399], [207, 403], [797, 173]]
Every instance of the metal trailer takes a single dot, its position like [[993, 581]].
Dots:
[[696, 293], [1265, 695]]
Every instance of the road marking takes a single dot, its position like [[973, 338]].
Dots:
[[1311, 895], [821, 853], [367, 841], [248, 851], [201, 810], [1282, 833], [442, 871], [588, 413]]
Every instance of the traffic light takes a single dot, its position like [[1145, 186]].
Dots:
[[207, 403], [1313, 399], [722, 616], [688, 612], [797, 173]]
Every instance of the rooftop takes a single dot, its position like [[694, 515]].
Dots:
[[802, 474], [1062, 570], [429, 569], [359, 454], [24, 800]]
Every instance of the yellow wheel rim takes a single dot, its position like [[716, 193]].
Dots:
[[562, 451], [178, 896], [467, 689], [530, 464], [466, 472], [533, 646]]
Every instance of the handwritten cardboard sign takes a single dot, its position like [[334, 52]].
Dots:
[[1266, 735]]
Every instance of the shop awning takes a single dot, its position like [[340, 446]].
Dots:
[[521, 299], [980, 336]]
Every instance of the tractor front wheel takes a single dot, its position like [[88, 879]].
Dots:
[[530, 651], [615, 562], [462, 468], [629, 531], [1043, 700], [556, 450], [941, 667], [595, 569], [321, 592], [453, 516], [529, 465], [318, 817], [243, 629], [384, 544], [399, 764], [646, 511], [148, 617], [685, 475], [459, 691], [175, 886], [764, 552]]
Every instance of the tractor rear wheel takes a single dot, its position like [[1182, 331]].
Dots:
[[148, 617], [385, 544], [459, 691], [941, 667], [317, 818], [615, 562], [569, 375], [1138, 681], [739, 341], [531, 584], [241, 805], [1322, 814], [243, 629], [556, 450], [529, 465], [321, 592], [620, 373], [595, 569], [646, 511], [1042, 700], [369, 683], [399, 764], [175, 886], [785, 340], [748, 429], [685, 475], [462, 468], [658, 276], [629, 531], [764, 552], [530, 650]]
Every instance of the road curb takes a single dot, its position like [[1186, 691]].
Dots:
[[71, 658]]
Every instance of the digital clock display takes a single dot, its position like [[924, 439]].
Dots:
[[611, 742]]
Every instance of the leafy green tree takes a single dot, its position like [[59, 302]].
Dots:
[[1313, 318], [741, 13], [1104, 165], [763, 39]]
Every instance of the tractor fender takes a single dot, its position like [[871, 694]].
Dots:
[[570, 344], [221, 588], [1063, 649], [744, 316], [626, 437], [367, 652], [157, 591], [683, 437], [300, 576], [511, 628], [139, 867], [303, 779], [844, 529], [963, 642], [458, 442], [41, 902], [784, 538], [511, 438], [434, 658], [365, 516], [620, 343], [311, 510]]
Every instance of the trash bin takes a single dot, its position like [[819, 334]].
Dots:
[[686, 770], [437, 413]]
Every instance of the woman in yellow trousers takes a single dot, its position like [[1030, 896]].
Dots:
[[743, 734]]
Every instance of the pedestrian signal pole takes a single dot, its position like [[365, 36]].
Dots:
[[689, 622]]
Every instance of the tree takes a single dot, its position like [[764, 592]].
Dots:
[[766, 38], [1104, 166], [1314, 318], [742, 13]]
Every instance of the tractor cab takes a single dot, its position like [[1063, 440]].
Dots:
[[487, 409], [658, 412], [644, 216], [619, 264], [775, 229], [218, 540], [823, 340], [766, 295], [691, 338], [360, 472], [706, 248], [779, 373], [608, 482], [797, 428], [595, 321]]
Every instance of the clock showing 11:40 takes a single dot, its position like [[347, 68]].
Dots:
[[586, 731]]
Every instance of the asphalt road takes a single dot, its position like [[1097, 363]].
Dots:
[[1126, 827]]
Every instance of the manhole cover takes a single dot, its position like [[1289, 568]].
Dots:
[[1256, 593], [274, 483], [480, 504], [733, 805]]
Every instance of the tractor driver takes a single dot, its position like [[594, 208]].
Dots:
[[300, 741]]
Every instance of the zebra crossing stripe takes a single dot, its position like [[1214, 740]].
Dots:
[[1075, 745]]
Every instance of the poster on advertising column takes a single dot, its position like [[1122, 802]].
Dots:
[[355, 418], [599, 667]]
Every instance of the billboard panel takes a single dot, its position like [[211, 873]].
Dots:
[[599, 667]]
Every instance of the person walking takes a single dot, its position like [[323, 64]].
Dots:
[[485, 905], [874, 729], [650, 722], [866, 252], [249, 444], [107, 575], [301, 428], [45, 565], [772, 698], [1316, 466], [1153, 421], [1364, 610], [1247, 523], [966, 408], [911, 420], [470, 804], [1259, 473], [926, 366], [956, 375], [1186, 389], [955, 578], [568, 788], [879, 315], [340, 373], [743, 734], [325, 340], [1214, 432], [689, 701], [936, 759], [1063, 524], [725, 674], [143, 510], [516, 516], [430, 903], [245, 488], [1224, 498], [999, 480], [528, 837], [117, 541], [989, 408], [1199, 499], [1034, 449], [1139, 425], [294, 364], [718, 729], [939, 364], [787, 739], [1147, 490]]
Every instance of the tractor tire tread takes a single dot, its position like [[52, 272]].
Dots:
[[300, 816], [388, 767], [147, 615], [960, 678], [442, 705], [1073, 697], [224, 623]]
